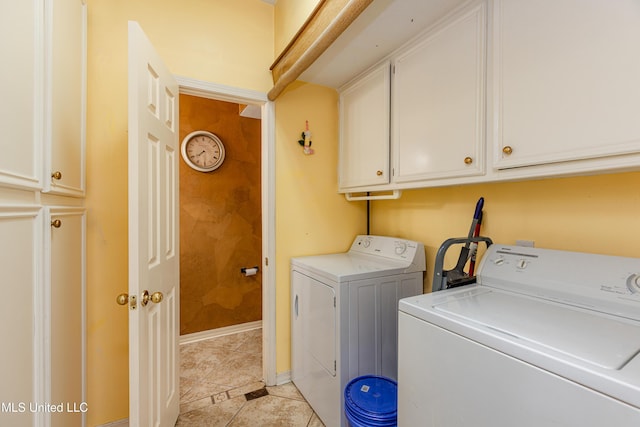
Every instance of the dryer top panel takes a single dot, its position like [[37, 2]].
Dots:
[[368, 257]]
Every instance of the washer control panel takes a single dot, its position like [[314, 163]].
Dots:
[[586, 279]]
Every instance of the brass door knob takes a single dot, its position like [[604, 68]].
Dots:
[[56, 175], [379, 173], [507, 150], [56, 223], [468, 160], [122, 299], [155, 298]]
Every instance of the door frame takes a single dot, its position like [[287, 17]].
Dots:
[[202, 89]]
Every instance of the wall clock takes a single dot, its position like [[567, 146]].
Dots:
[[202, 151]]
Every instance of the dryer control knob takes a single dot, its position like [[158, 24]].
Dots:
[[633, 283], [401, 248]]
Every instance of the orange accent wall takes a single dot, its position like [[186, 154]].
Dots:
[[220, 221]]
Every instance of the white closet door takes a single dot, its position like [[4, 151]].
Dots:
[[22, 308], [66, 92], [67, 307], [21, 106]]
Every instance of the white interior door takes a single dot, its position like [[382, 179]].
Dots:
[[153, 237]]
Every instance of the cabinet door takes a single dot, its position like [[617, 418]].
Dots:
[[22, 308], [21, 112], [566, 83], [438, 102], [364, 131], [66, 33], [66, 294]]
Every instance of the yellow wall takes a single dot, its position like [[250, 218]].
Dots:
[[226, 42], [597, 214], [289, 17], [311, 217]]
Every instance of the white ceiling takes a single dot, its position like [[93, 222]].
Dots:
[[383, 27]]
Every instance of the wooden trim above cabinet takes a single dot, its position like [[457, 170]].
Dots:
[[325, 24]]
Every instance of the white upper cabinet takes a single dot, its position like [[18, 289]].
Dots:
[[66, 92], [566, 81], [42, 115], [364, 131], [438, 101], [21, 112], [498, 90]]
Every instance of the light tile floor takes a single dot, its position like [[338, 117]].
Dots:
[[221, 385]]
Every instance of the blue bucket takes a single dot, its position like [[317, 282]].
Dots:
[[371, 401]]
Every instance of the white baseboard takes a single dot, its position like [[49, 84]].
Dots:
[[119, 423], [214, 333], [283, 378]]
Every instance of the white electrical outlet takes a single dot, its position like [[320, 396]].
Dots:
[[525, 243]]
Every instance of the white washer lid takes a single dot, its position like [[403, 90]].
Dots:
[[586, 335]]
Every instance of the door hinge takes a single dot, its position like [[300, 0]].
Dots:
[[266, 261], [335, 366], [334, 302]]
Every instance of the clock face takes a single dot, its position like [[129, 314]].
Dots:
[[203, 151]]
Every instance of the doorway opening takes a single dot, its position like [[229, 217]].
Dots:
[[259, 101], [220, 216]]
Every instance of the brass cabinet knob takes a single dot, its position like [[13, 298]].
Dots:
[[379, 173], [155, 298], [122, 299], [56, 223], [507, 150], [56, 175], [468, 160]]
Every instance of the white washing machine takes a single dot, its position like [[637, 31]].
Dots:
[[345, 317], [545, 338]]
